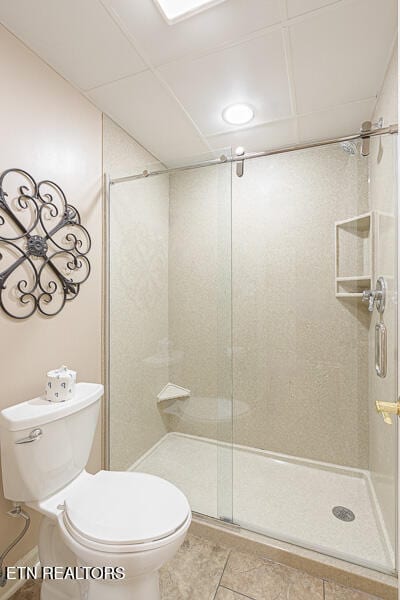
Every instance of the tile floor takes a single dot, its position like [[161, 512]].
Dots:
[[203, 570], [293, 500]]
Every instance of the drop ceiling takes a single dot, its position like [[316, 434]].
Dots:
[[310, 68]]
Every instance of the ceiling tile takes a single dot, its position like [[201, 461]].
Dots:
[[79, 39], [257, 139], [213, 59], [300, 7], [334, 60], [144, 108], [335, 122], [218, 25], [253, 72]]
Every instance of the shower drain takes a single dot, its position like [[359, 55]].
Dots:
[[343, 513]]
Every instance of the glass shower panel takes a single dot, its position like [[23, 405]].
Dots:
[[138, 316], [313, 461], [170, 332], [200, 330], [383, 435]]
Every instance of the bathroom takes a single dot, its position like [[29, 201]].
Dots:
[[234, 166]]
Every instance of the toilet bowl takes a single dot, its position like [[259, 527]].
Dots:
[[115, 529], [132, 521], [112, 522]]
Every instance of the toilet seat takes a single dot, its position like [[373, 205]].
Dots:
[[117, 511]]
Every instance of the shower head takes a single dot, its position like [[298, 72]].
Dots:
[[349, 147]]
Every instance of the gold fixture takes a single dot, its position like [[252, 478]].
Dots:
[[386, 409]]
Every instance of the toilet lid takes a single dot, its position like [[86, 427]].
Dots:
[[116, 507]]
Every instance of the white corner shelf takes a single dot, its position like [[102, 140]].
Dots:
[[172, 391], [354, 255]]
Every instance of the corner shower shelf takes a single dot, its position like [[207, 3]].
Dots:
[[354, 253], [171, 391]]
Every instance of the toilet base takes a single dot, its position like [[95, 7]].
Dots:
[[140, 588], [54, 590], [53, 551]]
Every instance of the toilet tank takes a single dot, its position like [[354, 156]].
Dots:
[[45, 445]]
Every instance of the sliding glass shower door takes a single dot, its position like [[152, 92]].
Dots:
[[170, 369], [314, 462]]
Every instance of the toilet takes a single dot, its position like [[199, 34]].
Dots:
[[111, 522]]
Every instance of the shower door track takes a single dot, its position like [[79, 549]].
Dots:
[[391, 129]]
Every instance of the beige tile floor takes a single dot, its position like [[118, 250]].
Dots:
[[203, 570]]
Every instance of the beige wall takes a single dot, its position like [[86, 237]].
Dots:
[[138, 298], [383, 199], [50, 130]]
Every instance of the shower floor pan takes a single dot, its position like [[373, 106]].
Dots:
[[280, 496]]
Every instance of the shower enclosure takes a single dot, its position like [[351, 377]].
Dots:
[[246, 351]]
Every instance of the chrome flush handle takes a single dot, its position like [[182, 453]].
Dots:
[[34, 435]]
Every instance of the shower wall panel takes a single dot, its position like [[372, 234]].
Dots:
[[199, 316], [300, 353], [138, 298]]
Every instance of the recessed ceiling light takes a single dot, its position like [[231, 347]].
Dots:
[[176, 10], [238, 114]]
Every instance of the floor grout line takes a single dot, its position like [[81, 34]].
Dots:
[[225, 587], [222, 574]]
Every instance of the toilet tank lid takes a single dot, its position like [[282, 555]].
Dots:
[[39, 411]]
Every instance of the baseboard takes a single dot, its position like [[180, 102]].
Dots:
[[29, 560]]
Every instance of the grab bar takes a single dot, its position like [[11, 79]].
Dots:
[[380, 349]]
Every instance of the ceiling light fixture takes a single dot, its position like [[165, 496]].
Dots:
[[238, 114], [176, 10]]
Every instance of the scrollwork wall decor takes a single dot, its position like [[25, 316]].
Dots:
[[43, 247]]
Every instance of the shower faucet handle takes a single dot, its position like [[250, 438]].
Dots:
[[376, 297], [369, 296]]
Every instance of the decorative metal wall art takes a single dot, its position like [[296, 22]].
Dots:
[[43, 247]]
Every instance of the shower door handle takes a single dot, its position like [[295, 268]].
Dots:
[[387, 409], [380, 349]]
